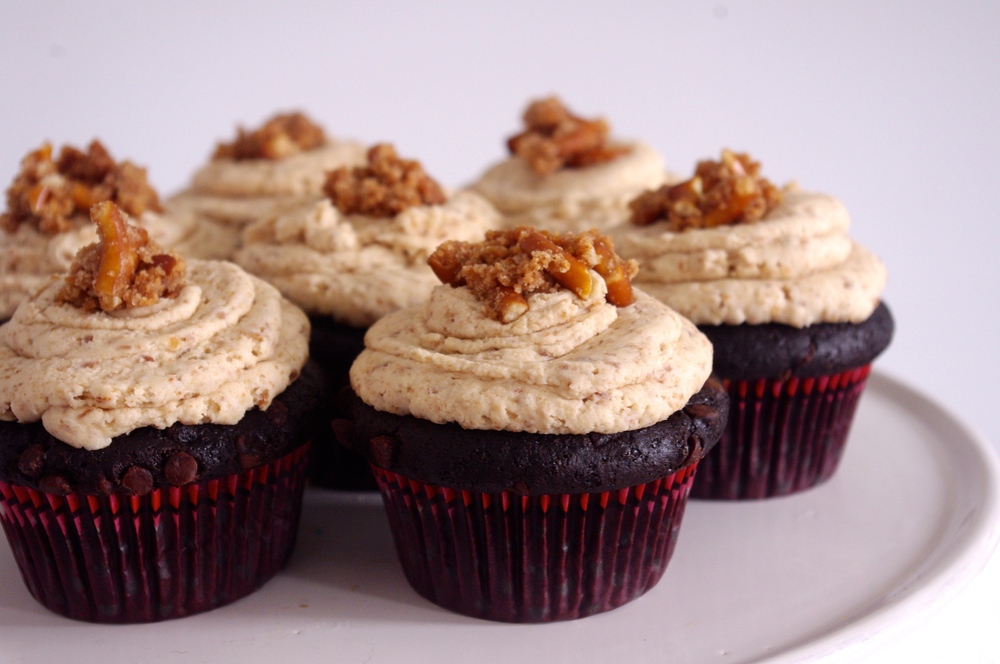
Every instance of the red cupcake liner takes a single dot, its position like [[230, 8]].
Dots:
[[514, 558], [783, 436], [170, 553]]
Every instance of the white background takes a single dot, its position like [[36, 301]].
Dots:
[[891, 107]]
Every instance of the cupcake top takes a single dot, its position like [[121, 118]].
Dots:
[[46, 220], [539, 332], [728, 247], [566, 173], [361, 251], [136, 336], [280, 164]]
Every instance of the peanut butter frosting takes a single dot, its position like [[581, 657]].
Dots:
[[567, 365], [226, 343], [29, 258], [796, 266], [574, 199], [357, 268], [241, 191]]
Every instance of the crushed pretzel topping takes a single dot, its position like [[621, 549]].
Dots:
[[282, 136], [49, 193], [554, 138], [384, 188], [124, 269], [729, 191], [511, 264]]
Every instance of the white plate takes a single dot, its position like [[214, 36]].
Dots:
[[908, 521]]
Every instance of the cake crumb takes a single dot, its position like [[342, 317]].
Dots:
[[729, 191], [511, 264], [284, 135], [123, 270], [384, 188], [48, 193], [555, 138]]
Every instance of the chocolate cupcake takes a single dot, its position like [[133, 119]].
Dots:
[[156, 416], [354, 256], [281, 164], [534, 432], [566, 173], [790, 303], [46, 217]]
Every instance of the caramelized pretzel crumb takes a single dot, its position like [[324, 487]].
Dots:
[[384, 188], [282, 136], [124, 269], [510, 264], [729, 191], [48, 193], [555, 138]]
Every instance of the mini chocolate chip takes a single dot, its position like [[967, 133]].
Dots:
[[137, 481], [342, 430], [248, 461], [714, 383], [520, 487], [698, 411], [277, 413], [383, 448], [104, 486], [54, 484], [696, 449], [31, 460], [241, 443], [181, 468]]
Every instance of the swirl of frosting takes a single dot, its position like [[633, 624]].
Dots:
[[796, 266], [568, 365], [238, 192], [572, 198], [227, 343], [357, 268], [28, 258]]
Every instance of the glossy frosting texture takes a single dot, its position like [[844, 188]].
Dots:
[[797, 266], [568, 365], [227, 343]]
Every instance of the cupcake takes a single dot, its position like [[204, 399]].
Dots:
[[46, 217], [534, 432], [566, 174], [791, 304], [355, 255], [281, 164], [155, 417]]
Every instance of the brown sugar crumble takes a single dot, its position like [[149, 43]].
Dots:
[[384, 188], [510, 264], [282, 136], [124, 269], [729, 191], [49, 192], [554, 138]]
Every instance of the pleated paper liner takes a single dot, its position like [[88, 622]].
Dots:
[[514, 558], [783, 436], [170, 553]]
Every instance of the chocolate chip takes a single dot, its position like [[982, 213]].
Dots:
[[382, 448], [342, 430], [31, 460], [714, 383], [104, 486], [241, 443], [696, 449], [248, 461], [54, 484], [137, 481], [181, 468], [277, 413], [699, 411]]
